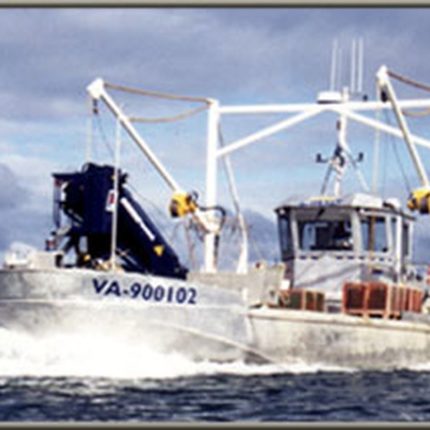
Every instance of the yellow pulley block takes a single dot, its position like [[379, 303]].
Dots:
[[182, 204], [419, 200]]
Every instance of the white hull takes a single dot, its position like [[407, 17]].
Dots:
[[216, 325], [340, 340], [205, 324]]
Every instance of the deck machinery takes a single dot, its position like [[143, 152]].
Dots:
[[87, 200]]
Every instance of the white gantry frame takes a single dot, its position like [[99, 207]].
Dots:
[[298, 113], [302, 112]]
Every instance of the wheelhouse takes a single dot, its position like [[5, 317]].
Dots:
[[326, 242]]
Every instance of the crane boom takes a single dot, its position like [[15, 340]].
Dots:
[[97, 90], [420, 197], [182, 203]]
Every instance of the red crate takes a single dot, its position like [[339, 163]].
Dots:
[[377, 299], [302, 299], [380, 299], [354, 297]]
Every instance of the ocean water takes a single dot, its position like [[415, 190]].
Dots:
[[400, 396], [66, 380]]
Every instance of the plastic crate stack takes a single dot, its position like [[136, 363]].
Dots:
[[302, 299], [379, 299]]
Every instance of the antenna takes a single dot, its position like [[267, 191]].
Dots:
[[356, 72], [356, 66], [353, 65], [333, 65], [360, 66], [339, 68], [342, 155]]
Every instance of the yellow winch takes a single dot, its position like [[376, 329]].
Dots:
[[419, 200], [182, 204]]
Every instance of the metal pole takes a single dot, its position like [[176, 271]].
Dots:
[[268, 131], [360, 66], [242, 264], [340, 170], [376, 155], [89, 145], [301, 107], [333, 65], [353, 67], [378, 125], [385, 83], [211, 179], [345, 147], [339, 69], [116, 195], [97, 91]]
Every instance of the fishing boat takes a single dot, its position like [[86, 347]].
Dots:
[[344, 293]]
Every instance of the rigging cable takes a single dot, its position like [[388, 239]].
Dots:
[[191, 245], [243, 257], [398, 159], [413, 83], [165, 96], [108, 145], [408, 81], [376, 155], [174, 118], [156, 94], [229, 174], [103, 136], [187, 224], [255, 245]]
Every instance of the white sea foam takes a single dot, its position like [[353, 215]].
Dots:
[[86, 356], [423, 367]]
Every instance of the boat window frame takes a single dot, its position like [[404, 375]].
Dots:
[[285, 215], [406, 241], [387, 216], [347, 211]]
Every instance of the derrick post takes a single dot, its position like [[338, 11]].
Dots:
[[211, 181]]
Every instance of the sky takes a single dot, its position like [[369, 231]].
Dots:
[[235, 55]]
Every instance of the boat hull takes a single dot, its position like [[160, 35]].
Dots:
[[340, 340], [201, 322], [167, 315]]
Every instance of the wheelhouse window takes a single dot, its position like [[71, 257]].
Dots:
[[284, 226], [331, 234], [374, 233], [405, 238]]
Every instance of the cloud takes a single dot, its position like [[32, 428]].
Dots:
[[25, 199], [238, 55], [18, 219], [26, 226], [12, 194], [264, 54]]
